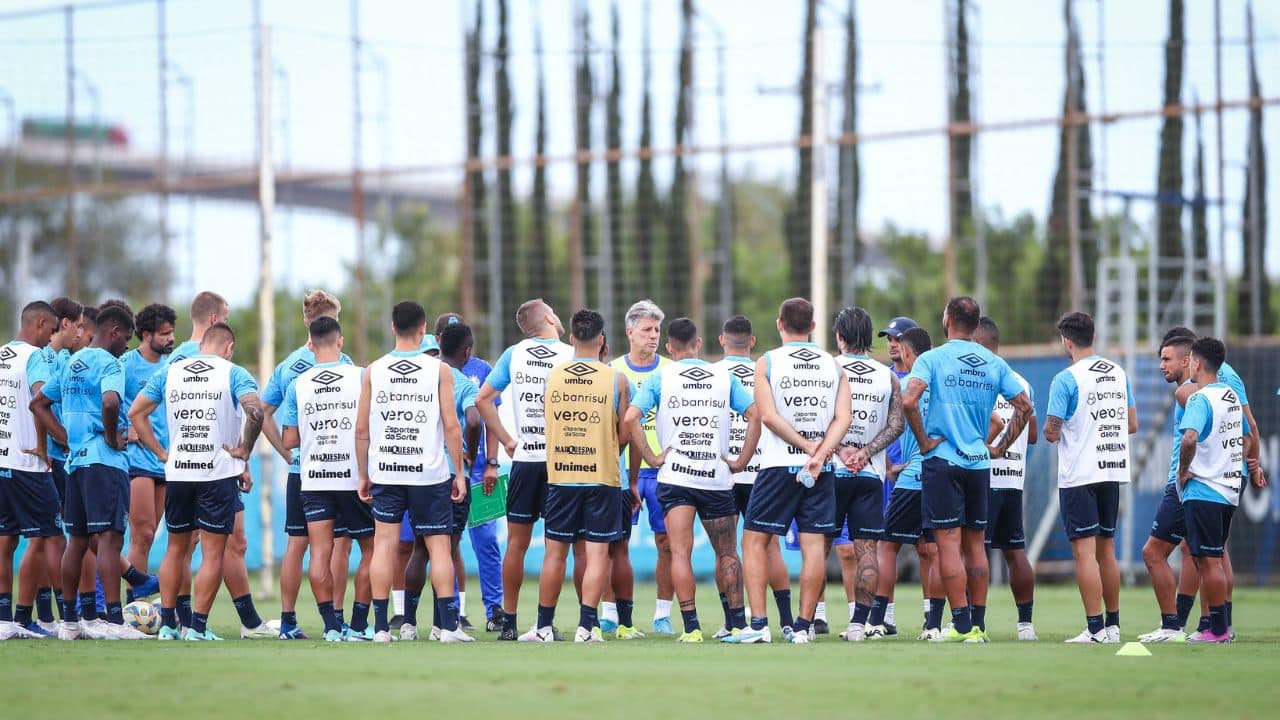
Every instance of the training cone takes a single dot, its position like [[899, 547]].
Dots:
[[1133, 649]]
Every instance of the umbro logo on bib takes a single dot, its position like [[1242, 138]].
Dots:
[[973, 360], [328, 377], [696, 374], [859, 368], [300, 366], [579, 369], [79, 366], [804, 354], [198, 367], [7, 353], [541, 352], [404, 367], [1102, 367], [1229, 397], [743, 371]]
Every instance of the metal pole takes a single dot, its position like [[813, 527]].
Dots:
[[357, 184], [162, 171], [11, 184], [1076, 260], [1220, 272], [1254, 199], [266, 282], [1109, 248], [949, 271], [189, 129], [95, 113], [818, 194], [73, 256], [725, 224], [280, 76]]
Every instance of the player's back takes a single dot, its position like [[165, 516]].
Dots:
[[964, 379]]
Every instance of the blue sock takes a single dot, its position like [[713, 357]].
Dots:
[[1170, 621], [1229, 619], [359, 616], [724, 605], [801, 625], [22, 616], [737, 618], [380, 623], [435, 610], [1095, 623], [184, 610], [69, 609], [134, 576], [936, 606], [44, 604], [326, 615], [783, 600], [546, 615], [625, 609], [1218, 619], [6, 607], [860, 613], [200, 622], [248, 613], [1184, 604], [759, 623], [169, 618], [587, 617], [1112, 619], [962, 619], [337, 614], [690, 618], [447, 608], [878, 607], [1024, 612], [115, 615], [89, 606], [288, 618], [509, 620], [411, 600], [1204, 623], [979, 615]]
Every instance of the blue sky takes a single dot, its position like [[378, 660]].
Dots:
[[1020, 76]]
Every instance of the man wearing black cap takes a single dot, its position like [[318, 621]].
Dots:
[[896, 463]]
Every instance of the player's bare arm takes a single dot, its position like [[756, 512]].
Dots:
[[362, 439]]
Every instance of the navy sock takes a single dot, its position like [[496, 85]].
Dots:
[[783, 599], [411, 600], [44, 604], [337, 614], [759, 623], [625, 609], [326, 615], [200, 622], [1112, 618], [1024, 612], [1218, 619], [724, 605], [801, 626], [115, 615], [1204, 623], [134, 576], [184, 610], [359, 616], [248, 613], [860, 613], [6, 607], [169, 617], [587, 617], [936, 606], [1095, 623], [1228, 606], [435, 611], [89, 606], [962, 619], [69, 609], [546, 615], [288, 618], [380, 623], [690, 618], [1185, 603], [509, 620], [979, 615], [1170, 622], [878, 606], [447, 609], [22, 616], [737, 618]]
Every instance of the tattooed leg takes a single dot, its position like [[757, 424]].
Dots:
[[723, 534]]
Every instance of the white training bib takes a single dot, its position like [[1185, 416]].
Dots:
[[870, 390], [1009, 472], [694, 424], [17, 424], [1094, 446], [406, 434], [802, 380], [328, 398], [1220, 455], [532, 360], [203, 417], [745, 371]]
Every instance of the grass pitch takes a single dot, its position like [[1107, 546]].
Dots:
[[656, 678]]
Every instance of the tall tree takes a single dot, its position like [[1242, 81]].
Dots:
[[539, 256], [613, 141], [476, 190], [1254, 233], [646, 187], [1169, 177], [584, 246], [960, 147], [676, 277], [844, 254], [504, 113], [796, 218], [1053, 295]]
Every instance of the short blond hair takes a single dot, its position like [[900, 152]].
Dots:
[[209, 303], [320, 303]]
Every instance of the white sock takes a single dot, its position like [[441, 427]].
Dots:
[[821, 612], [662, 609], [397, 600], [852, 607], [609, 611], [888, 614], [462, 602]]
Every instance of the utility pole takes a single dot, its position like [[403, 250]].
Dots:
[[162, 170], [1220, 273], [73, 255], [266, 281], [357, 185], [1254, 199], [818, 193], [1076, 261]]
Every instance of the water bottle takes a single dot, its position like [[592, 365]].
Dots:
[[805, 478]]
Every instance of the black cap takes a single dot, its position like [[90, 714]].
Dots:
[[898, 326]]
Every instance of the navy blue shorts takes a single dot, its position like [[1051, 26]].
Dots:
[[1170, 524], [1004, 520], [1208, 526], [708, 504], [526, 492], [647, 486], [777, 499], [859, 507], [59, 472], [1090, 510], [29, 505], [742, 496], [157, 477], [208, 506], [626, 515], [583, 512], [903, 520], [954, 496], [97, 500], [461, 511], [430, 507], [351, 517], [295, 517]]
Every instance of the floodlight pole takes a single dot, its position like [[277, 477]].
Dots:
[[266, 285]]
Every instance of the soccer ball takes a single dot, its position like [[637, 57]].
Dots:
[[142, 616]]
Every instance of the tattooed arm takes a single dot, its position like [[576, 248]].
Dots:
[[1052, 428]]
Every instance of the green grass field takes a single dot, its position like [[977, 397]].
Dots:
[[656, 678]]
